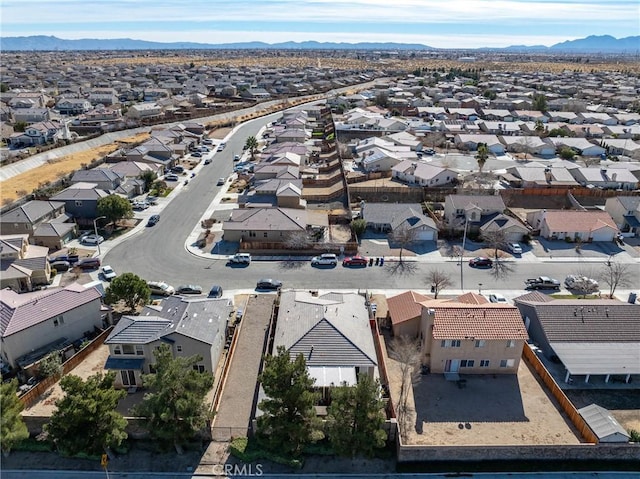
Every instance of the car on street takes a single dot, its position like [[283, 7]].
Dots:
[[153, 220], [60, 266], [215, 291], [480, 262], [542, 282], [207, 161], [92, 239], [240, 258], [355, 261], [221, 181], [222, 146], [269, 284], [326, 259], [196, 154], [498, 298], [189, 289], [236, 157], [171, 177], [108, 273], [88, 263], [161, 288], [514, 248], [581, 283]]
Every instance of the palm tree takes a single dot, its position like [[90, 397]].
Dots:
[[252, 145], [482, 155]]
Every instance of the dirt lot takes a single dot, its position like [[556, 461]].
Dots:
[[219, 133], [25, 183]]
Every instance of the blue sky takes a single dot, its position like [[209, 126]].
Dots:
[[437, 23]]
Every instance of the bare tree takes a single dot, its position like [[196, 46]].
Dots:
[[500, 269], [403, 237], [616, 274], [406, 351], [496, 240], [298, 240], [438, 280]]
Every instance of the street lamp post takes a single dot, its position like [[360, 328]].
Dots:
[[95, 230]]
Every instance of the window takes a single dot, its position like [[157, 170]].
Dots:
[[117, 349], [78, 203], [58, 320], [179, 348], [252, 234], [511, 343], [152, 368], [507, 363], [479, 343], [450, 343], [467, 363], [128, 349], [484, 363], [265, 234], [139, 350], [198, 367]]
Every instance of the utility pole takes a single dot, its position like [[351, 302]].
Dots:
[[464, 239]]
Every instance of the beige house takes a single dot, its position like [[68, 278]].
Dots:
[[189, 326], [467, 338], [22, 266], [405, 313]]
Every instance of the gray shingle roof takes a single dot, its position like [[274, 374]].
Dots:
[[385, 213], [329, 330], [488, 202], [138, 330], [30, 212]]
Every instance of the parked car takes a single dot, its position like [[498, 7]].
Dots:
[[152, 200], [69, 258], [221, 147], [355, 261], [429, 151], [221, 181], [497, 298], [581, 283], [153, 220], [207, 161], [269, 284], [140, 205], [326, 259], [240, 258], [189, 289], [236, 157], [514, 248], [92, 239], [171, 177], [60, 266], [480, 261], [161, 288], [177, 169], [215, 291], [89, 263], [542, 282], [108, 273], [196, 154], [207, 141]]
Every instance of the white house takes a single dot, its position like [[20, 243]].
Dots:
[[573, 225], [423, 174]]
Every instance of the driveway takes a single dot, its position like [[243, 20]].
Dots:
[[547, 248]]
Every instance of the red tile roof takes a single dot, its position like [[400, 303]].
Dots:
[[487, 321], [405, 306], [566, 220], [472, 298]]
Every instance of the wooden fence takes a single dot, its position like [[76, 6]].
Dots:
[[31, 396], [576, 419], [256, 247]]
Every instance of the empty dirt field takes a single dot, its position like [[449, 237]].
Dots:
[[25, 183]]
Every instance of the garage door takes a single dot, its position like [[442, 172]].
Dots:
[[603, 234], [426, 235]]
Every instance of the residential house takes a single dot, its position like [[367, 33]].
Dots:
[[591, 225], [134, 169], [37, 134], [73, 106], [490, 114], [34, 324], [590, 337], [103, 96], [291, 135], [45, 222], [605, 178], [275, 225], [625, 147], [599, 118], [532, 145], [475, 210], [377, 159], [332, 332], [404, 138], [143, 111], [530, 115], [581, 145], [284, 193], [22, 265], [81, 201], [188, 326], [512, 229], [471, 142], [404, 312], [423, 174], [625, 212], [393, 217], [103, 178], [541, 176], [500, 128], [466, 338]]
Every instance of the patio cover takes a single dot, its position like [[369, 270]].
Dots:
[[599, 358], [332, 376], [124, 363]]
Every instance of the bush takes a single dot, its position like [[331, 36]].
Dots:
[[635, 435], [249, 451], [33, 445]]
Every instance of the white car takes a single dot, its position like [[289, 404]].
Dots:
[[92, 239], [240, 258], [514, 248], [498, 298], [581, 283], [108, 273], [327, 259]]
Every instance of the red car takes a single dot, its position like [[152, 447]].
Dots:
[[480, 261], [355, 261]]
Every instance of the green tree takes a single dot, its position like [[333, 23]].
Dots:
[[4, 87], [358, 226], [86, 419], [567, 153], [148, 177], [482, 155], [12, 427], [20, 126], [114, 208], [174, 408], [288, 422], [539, 128], [356, 417], [382, 99], [129, 288], [50, 365], [252, 145], [489, 94], [539, 103]]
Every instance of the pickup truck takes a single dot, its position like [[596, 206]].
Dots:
[[542, 282]]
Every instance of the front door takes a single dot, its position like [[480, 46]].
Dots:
[[128, 377], [452, 366]]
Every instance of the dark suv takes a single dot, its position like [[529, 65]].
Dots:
[[89, 263], [270, 284]]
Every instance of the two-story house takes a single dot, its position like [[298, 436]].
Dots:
[[625, 212], [463, 338], [73, 106], [81, 201], [189, 326], [37, 134], [22, 265], [103, 178]]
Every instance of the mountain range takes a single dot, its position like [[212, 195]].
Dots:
[[590, 44]]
